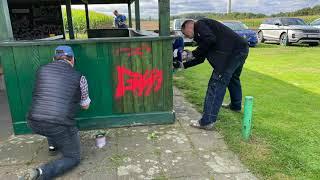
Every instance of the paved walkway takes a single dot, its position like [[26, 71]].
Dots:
[[154, 152]]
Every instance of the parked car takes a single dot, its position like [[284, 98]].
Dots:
[[288, 30], [244, 31], [316, 23], [176, 28]]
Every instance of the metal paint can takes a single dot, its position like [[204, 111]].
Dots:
[[101, 140]]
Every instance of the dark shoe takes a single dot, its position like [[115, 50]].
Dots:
[[208, 127], [32, 174], [52, 151], [228, 106]]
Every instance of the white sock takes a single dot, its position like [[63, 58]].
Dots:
[[40, 171]]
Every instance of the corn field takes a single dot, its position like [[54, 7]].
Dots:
[[97, 20]]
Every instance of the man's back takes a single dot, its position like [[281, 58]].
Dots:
[[226, 39], [56, 94]]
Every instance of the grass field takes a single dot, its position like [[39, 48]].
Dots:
[[286, 128]]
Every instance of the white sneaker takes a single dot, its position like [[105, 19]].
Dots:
[[206, 127]]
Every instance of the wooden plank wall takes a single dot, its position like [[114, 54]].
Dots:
[[124, 78]]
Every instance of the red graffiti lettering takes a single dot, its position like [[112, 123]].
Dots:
[[139, 51], [139, 84]]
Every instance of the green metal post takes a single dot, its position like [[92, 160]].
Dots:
[[5, 23], [137, 13], [247, 118], [87, 16], [130, 14], [69, 17], [164, 17]]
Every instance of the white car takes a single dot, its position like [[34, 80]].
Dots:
[[286, 31], [177, 23], [316, 23]]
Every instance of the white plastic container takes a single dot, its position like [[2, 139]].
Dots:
[[101, 140]]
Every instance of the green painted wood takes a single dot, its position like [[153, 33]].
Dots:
[[130, 15], [118, 106], [167, 70], [93, 61], [164, 17], [157, 64], [5, 23], [137, 67], [12, 85], [147, 66], [86, 41], [87, 16], [128, 95], [113, 121], [98, 62], [137, 14], [69, 19], [26, 70]]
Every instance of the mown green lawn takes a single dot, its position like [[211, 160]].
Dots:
[[285, 84]]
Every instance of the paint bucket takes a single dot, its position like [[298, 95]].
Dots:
[[101, 140]]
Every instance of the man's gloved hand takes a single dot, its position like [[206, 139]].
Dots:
[[187, 55]]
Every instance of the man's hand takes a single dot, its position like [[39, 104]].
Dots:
[[187, 55], [85, 107]]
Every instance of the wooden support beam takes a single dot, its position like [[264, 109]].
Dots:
[[5, 23], [164, 17], [137, 13], [130, 15], [69, 18], [87, 16]]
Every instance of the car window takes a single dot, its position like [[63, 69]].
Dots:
[[277, 21], [292, 21], [271, 21], [268, 21], [178, 24], [236, 26], [316, 23]]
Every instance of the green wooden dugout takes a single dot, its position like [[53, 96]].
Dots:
[[129, 71]]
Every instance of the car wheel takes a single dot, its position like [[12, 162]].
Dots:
[[313, 44], [284, 40], [260, 37]]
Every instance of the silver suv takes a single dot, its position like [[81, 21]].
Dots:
[[288, 30]]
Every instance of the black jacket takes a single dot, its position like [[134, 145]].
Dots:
[[216, 42], [56, 94]]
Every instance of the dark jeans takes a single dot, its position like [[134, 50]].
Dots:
[[66, 139], [218, 84]]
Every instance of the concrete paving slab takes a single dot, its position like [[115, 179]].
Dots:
[[20, 150], [183, 164], [223, 162], [208, 140], [140, 166], [238, 176], [136, 144]]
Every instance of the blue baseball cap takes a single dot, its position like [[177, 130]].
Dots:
[[64, 51]]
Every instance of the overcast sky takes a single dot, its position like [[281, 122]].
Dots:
[[150, 7]]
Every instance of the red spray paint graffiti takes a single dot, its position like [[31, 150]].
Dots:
[[139, 84], [139, 51]]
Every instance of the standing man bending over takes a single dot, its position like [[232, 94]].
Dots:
[[119, 20], [226, 51]]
